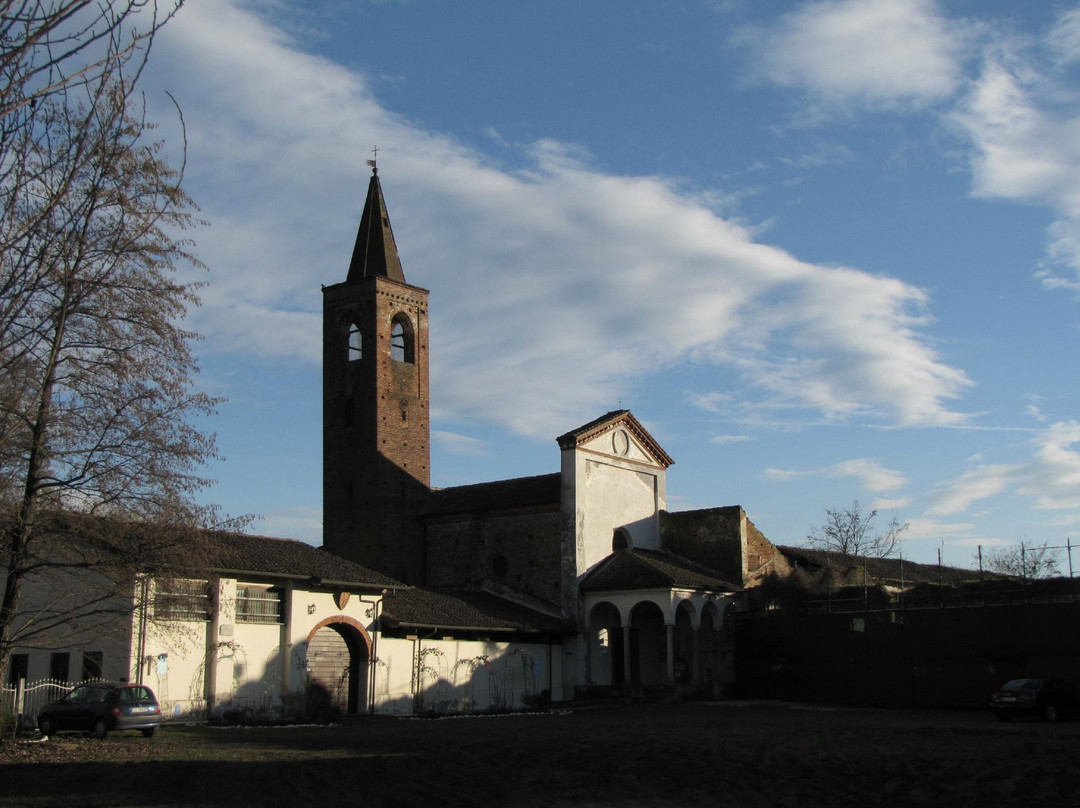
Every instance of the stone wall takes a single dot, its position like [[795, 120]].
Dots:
[[516, 550], [712, 538]]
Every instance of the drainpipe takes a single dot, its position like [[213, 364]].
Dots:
[[374, 656]]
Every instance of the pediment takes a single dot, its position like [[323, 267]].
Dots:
[[618, 435]]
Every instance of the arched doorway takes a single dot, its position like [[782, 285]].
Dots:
[[337, 662], [606, 646], [684, 667], [648, 644]]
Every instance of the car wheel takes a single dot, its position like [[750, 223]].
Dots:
[[149, 732], [1050, 713], [100, 730], [46, 726]]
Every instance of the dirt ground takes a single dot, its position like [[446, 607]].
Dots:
[[687, 755]]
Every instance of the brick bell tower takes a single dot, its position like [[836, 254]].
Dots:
[[376, 456]]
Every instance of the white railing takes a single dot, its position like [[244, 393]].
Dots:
[[26, 700]]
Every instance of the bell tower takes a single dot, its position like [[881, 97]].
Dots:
[[376, 455]]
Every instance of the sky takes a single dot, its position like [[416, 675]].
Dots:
[[825, 251]]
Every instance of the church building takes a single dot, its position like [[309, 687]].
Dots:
[[497, 595], [585, 562]]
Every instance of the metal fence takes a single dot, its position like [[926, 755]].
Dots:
[[25, 700]]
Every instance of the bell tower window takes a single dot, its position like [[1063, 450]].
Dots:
[[356, 342], [402, 340]]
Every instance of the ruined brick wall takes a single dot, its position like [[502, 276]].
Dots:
[[516, 551], [710, 537], [761, 554]]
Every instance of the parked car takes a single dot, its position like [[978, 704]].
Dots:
[[1049, 699], [100, 707]]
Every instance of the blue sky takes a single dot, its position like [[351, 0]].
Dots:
[[822, 250]]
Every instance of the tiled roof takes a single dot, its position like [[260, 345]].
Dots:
[[464, 610], [881, 569], [585, 429], [240, 552], [649, 569], [522, 492], [607, 422]]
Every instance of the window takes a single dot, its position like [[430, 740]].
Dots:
[[18, 668], [91, 664], [401, 340], [59, 666], [182, 600], [356, 342], [620, 541], [257, 604]]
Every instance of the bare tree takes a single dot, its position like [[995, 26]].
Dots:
[[100, 455], [851, 532], [1020, 560]]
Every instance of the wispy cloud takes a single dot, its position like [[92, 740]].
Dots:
[[455, 444], [872, 476], [564, 277], [1051, 478], [725, 439], [877, 52]]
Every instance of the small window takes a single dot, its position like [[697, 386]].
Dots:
[[182, 600], [91, 664], [356, 343], [401, 340], [59, 666], [257, 604]]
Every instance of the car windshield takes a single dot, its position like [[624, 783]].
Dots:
[[1023, 684]]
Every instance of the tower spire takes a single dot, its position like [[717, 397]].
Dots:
[[375, 252]]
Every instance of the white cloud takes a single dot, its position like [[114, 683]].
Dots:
[[872, 476], [867, 51], [725, 439], [455, 444], [555, 286], [979, 483], [1022, 116], [1051, 477]]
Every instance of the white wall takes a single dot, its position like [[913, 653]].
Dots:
[[462, 675]]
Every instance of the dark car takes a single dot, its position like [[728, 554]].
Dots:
[[1049, 699], [100, 707]]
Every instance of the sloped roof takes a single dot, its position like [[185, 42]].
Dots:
[[607, 422], [465, 610], [522, 492], [375, 252], [651, 569], [880, 569], [240, 552]]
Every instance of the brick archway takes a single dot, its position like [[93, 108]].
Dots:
[[339, 649]]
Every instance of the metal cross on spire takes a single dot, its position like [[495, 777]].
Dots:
[[373, 162]]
